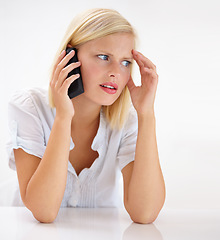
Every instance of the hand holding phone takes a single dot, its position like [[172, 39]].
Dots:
[[76, 88]]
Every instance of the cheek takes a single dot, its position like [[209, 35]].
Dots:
[[92, 72], [126, 77], [89, 72]]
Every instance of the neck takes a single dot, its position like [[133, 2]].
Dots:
[[86, 113]]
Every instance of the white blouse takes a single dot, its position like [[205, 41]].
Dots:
[[30, 123]]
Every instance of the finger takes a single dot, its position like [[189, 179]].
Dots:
[[152, 76], [136, 58], [66, 59], [141, 65], [145, 60], [69, 81], [131, 84], [69, 45], [61, 65], [61, 56], [65, 71], [145, 70], [151, 72]]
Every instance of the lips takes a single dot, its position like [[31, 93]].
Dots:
[[109, 87]]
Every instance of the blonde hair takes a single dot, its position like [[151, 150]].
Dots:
[[90, 25]]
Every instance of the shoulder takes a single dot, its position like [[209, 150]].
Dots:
[[29, 99], [26, 96]]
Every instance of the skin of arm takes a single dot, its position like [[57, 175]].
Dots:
[[42, 181], [143, 180], [144, 187]]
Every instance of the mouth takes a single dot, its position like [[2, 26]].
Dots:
[[106, 86], [110, 88]]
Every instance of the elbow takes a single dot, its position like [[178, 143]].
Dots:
[[146, 214], [43, 214], [143, 218], [45, 217]]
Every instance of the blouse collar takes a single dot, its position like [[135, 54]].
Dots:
[[99, 142]]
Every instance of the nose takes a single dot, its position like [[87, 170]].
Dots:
[[115, 70]]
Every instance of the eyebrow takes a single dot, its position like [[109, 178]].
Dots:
[[109, 54]]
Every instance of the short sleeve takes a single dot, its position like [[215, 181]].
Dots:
[[25, 127], [126, 153]]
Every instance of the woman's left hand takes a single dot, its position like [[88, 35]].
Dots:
[[143, 96]]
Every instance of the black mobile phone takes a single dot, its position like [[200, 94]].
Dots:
[[76, 87]]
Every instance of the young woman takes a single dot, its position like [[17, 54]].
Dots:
[[71, 152]]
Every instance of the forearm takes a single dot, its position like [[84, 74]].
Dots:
[[46, 188], [146, 191]]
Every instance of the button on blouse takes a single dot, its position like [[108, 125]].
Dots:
[[30, 123]]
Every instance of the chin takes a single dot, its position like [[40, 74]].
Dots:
[[102, 99], [110, 102], [107, 104]]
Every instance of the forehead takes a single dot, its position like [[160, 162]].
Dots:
[[120, 43]]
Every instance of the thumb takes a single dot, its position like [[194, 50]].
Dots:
[[131, 84]]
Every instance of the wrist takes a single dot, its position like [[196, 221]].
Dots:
[[63, 118], [146, 120], [149, 114]]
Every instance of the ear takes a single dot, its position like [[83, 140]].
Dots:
[[69, 45]]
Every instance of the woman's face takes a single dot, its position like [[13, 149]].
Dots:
[[106, 67]]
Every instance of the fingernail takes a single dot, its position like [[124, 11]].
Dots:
[[135, 52]]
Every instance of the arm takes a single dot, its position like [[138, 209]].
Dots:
[[42, 181], [144, 188], [143, 180]]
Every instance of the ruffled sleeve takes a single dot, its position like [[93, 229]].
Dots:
[[25, 127], [126, 153]]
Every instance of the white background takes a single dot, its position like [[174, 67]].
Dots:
[[182, 38]]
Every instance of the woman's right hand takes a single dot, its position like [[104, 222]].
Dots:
[[59, 84]]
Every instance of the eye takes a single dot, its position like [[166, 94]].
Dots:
[[126, 63], [103, 57]]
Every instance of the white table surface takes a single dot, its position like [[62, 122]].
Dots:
[[115, 224]]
